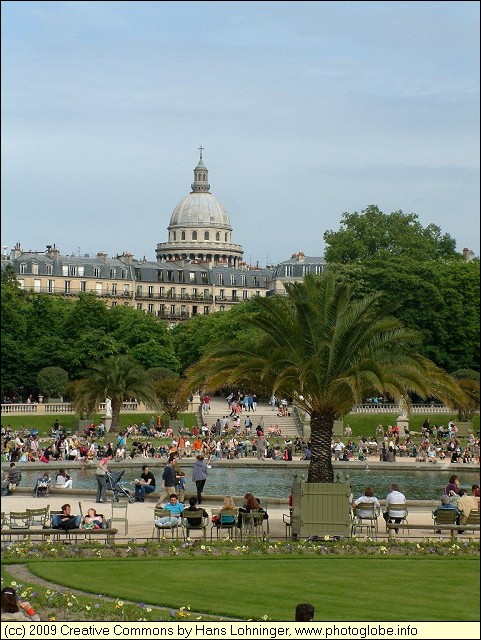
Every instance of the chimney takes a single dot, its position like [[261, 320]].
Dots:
[[468, 254], [102, 256]]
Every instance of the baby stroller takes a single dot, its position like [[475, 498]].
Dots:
[[114, 484], [42, 487]]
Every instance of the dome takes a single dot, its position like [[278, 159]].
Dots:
[[200, 209]]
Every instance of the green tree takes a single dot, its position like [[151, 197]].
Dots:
[[52, 381], [118, 377], [171, 396], [326, 349], [374, 234]]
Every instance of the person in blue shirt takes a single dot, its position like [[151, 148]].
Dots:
[[175, 507]]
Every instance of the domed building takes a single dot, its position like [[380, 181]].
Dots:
[[200, 230]]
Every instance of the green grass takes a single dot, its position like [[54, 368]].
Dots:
[[347, 588], [45, 423], [364, 424]]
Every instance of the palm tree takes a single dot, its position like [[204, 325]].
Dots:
[[326, 349], [117, 377]]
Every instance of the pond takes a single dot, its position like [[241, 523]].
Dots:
[[277, 483]]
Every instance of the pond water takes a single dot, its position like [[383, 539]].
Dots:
[[277, 483]]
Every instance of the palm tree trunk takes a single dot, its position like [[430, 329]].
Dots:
[[116, 406], [320, 468]]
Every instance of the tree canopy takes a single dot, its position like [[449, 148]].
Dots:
[[374, 234], [326, 348]]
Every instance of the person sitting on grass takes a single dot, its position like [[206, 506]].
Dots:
[[175, 507]]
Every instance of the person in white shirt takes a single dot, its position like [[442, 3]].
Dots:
[[368, 498], [338, 449], [393, 498]]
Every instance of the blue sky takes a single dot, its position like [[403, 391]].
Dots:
[[305, 110]]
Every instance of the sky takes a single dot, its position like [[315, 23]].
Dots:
[[305, 111]]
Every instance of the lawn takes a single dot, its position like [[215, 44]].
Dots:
[[364, 424], [346, 588]]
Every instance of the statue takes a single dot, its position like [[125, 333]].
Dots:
[[403, 407], [108, 407]]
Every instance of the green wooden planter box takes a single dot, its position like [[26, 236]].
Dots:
[[320, 509]]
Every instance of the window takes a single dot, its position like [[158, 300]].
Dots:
[[181, 275], [72, 270], [266, 281], [35, 269], [139, 306], [174, 236], [83, 286], [81, 271], [151, 291], [151, 308], [194, 292], [226, 236], [206, 235], [255, 281], [123, 274], [183, 292], [206, 311], [258, 293], [194, 235], [288, 269], [206, 294], [98, 288], [96, 272], [138, 274], [65, 269], [160, 275], [48, 269], [66, 287], [222, 307], [220, 278], [170, 276], [162, 310], [112, 273], [245, 295], [21, 284], [114, 288], [139, 290], [51, 286], [204, 278], [217, 236], [222, 294], [319, 269], [172, 309], [23, 268], [114, 304], [232, 279], [161, 292], [37, 285], [191, 276], [243, 280], [182, 235], [234, 294], [183, 311], [305, 269]]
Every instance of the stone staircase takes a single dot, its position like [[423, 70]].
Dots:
[[219, 409]]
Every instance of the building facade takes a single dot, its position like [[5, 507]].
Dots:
[[199, 270]]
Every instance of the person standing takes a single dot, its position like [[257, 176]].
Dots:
[[146, 484], [101, 474], [168, 480], [199, 476]]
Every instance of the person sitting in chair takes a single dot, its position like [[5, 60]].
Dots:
[[193, 508], [65, 520], [93, 520], [175, 507]]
